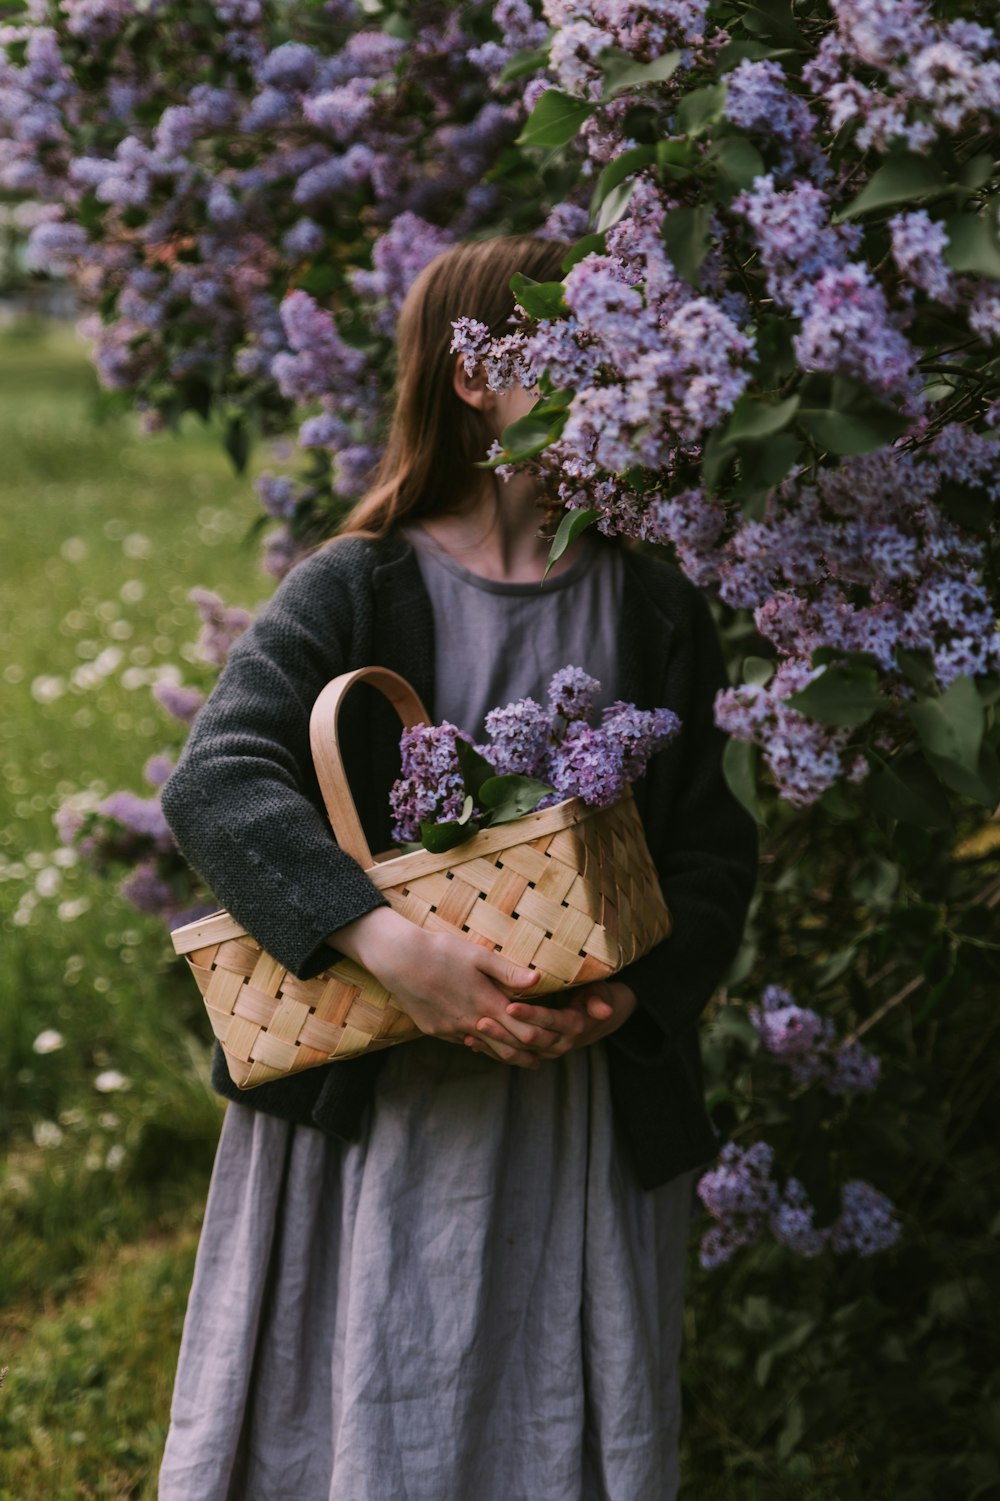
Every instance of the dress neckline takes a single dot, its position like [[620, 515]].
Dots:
[[431, 548]]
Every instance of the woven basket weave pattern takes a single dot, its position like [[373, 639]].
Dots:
[[570, 891]]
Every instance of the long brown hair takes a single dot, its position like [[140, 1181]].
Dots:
[[434, 437]]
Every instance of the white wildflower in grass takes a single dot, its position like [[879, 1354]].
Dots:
[[45, 689], [46, 1134], [48, 881], [109, 1080], [115, 1158], [49, 1041], [69, 911]]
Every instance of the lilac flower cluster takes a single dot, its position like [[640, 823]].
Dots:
[[555, 745], [586, 28], [431, 787], [808, 1044], [221, 625], [863, 560], [653, 364], [917, 243], [746, 1202], [759, 101], [848, 330], [937, 75]]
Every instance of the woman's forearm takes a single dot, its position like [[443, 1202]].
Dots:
[[368, 937]]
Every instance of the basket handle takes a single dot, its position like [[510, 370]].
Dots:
[[328, 760]]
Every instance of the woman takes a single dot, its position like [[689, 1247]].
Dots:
[[453, 1269]]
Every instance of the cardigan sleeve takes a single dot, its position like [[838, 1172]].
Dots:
[[237, 803], [705, 851]]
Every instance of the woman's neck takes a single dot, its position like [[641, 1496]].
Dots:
[[497, 536]]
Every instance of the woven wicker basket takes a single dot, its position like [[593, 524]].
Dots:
[[571, 891]]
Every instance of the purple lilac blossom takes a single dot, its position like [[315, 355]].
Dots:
[[740, 1195], [572, 693], [745, 1201], [848, 330], [139, 815], [146, 889], [808, 1044], [640, 732], [519, 737], [221, 625], [867, 1222], [795, 239], [277, 494], [180, 701], [759, 101], [430, 787], [573, 58], [587, 763], [917, 243], [281, 552], [791, 1222], [158, 768], [408, 245]]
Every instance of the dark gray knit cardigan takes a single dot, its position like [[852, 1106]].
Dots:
[[246, 811]]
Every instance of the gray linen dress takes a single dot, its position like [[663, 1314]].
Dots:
[[474, 1301]]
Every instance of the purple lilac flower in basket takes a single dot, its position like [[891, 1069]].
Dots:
[[450, 788]]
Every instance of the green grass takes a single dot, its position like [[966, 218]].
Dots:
[[84, 1406], [102, 533]]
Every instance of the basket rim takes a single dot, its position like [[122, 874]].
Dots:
[[216, 927], [572, 810]]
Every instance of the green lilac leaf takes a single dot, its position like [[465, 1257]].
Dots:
[[685, 235], [542, 299], [739, 766], [973, 246], [618, 169], [755, 419], [511, 796], [951, 725], [625, 73], [555, 120], [901, 179], [474, 767], [701, 108], [843, 696], [570, 527]]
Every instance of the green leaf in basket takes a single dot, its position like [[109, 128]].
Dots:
[[438, 837], [509, 797], [475, 768]]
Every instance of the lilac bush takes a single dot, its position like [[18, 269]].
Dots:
[[780, 357]]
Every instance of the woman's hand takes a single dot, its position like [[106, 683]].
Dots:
[[597, 1010], [448, 985]]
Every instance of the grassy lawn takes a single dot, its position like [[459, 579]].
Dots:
[[102, 533]]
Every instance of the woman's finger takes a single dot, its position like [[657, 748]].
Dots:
[[565, 1023], [512, 976], [519, 1057]]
